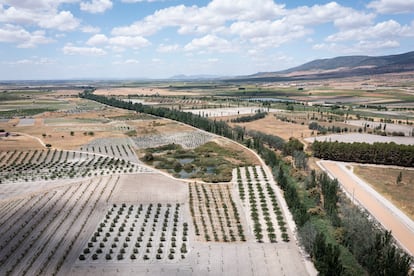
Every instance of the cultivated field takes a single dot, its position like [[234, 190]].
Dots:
[[188, 139], [116, 147], [19, 166], [138, 234], [38, 232], [215, 214], [75, 199], [265, 218]]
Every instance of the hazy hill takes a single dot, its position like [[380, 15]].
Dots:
[[344, 66]]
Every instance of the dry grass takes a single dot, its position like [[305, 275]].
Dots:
[[99, 120], [273, 126], [384, 181], [247, 154], [20, 143], [157, 126], [56, 136]]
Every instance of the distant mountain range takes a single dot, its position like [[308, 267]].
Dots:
[[338, 67], [194, 77]]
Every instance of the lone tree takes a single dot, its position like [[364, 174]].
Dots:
[[399, 178]]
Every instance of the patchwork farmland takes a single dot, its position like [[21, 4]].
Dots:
[[99, 210], [81, 202]]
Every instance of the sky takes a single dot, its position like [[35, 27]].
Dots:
[[133, 39]]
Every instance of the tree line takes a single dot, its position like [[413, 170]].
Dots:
[[372, 247], [249, 118], [375, 249], [377, 153]]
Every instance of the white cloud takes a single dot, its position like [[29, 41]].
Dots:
[[261, 22], [17, 16], [126, 62], [69, 49], [116, 49], [209, 43], [375, 45], [118, 43], [49, 19], [131, 61], [97, 39], [37, 4], [382, 30], [168, 48], [245, 10], [360, 47], [90, 29], [265, 34], [392, 6], [202, 20], [23, 38], [134, 42], [342, 17], [142, 28], [352, 19], [63, 21], [96, 6], [140, 1], [33, 60]]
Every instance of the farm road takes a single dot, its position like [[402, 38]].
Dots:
[[384, 211], [31, 136]]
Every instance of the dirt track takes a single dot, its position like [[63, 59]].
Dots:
[[386, 213]]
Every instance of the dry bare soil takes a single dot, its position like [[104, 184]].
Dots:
[[384, 180], [271, 125]]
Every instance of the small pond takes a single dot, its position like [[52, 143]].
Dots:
[[184, 161]]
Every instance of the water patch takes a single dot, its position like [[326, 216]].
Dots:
[[184, 161], [26, 122]]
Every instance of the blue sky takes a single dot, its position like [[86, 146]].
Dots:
[[124, 39]]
